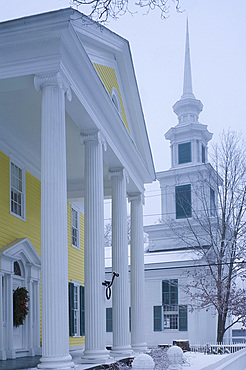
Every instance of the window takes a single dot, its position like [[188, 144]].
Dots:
[[170, 292], [76, 310], [212, 202], [170, 321], [109, 320], [17, 269], [116, 100], [203, 154], [174, 315], [183, 201], [184, 153], [17, 186], [157, 318], [75, 228]]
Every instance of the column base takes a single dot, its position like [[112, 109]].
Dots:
[[95, 356], [3, 355], [139, 347], [52, 363], [122, 351]]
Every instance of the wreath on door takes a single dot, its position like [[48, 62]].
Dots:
[[20, 307]]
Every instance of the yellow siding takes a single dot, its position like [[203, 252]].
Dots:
[[109, 80], [75, 262], [13, 228]]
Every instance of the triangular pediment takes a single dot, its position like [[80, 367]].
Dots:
[[21, 249]]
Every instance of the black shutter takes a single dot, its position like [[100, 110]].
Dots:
[[71, 308], [157, 318], [184, 151], [109, 320], [182, 318], [183, 201], [82, 309]]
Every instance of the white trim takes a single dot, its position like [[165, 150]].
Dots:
[[77, 210], [20, 165], [77, 285]]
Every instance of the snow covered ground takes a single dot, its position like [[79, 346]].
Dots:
[[197, 361]]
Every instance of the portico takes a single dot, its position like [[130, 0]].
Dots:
[[72, 137]]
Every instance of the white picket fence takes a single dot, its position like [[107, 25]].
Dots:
[[217, 348]]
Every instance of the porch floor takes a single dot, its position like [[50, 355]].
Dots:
[[30, 363]]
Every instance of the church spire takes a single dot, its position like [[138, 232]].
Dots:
[[188, 107], [187, 87]]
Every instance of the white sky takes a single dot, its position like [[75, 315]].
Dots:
[[218, 59]]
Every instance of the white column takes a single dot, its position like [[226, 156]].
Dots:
[[137, 275], [9, 315], [95, 308], [120, 289], [54, 253], [30, 318], [2, 310]]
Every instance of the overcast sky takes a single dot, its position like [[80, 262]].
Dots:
[[218, 60]]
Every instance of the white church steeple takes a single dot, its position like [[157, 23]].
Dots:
[[188, 136], [188, 107], [187, 87]]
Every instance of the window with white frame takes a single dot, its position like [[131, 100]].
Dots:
[[17, 190], [76, 309], [75, 228]]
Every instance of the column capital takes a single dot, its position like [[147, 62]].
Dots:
[[136, 197], [119, 173], [53, 79], [93, 136]]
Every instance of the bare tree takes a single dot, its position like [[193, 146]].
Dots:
[[217, 230], [102, 10]]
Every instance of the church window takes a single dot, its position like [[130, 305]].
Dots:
[[212, 202], [184, 153], [76, 310], [183, 201], [75, 228], [203, 154], [17, 194]]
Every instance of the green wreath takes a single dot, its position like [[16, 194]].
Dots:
[[20, 308]]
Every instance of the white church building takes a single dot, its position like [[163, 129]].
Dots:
[[188, 190]]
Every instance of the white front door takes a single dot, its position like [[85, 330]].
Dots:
[[18, 333]]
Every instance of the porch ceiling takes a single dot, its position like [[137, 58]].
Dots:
[[20, 129]]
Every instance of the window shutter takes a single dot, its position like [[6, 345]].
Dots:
[[109, 321], [184, 151], [183, 318], [82, 309], [130, 319], [183, 201], [71, 308], [157, 318]]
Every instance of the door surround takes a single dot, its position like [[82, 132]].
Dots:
[[19, 253]]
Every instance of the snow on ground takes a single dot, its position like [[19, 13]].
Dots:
[[197, 361]]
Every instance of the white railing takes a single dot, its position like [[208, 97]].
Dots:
[[217, 348]]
